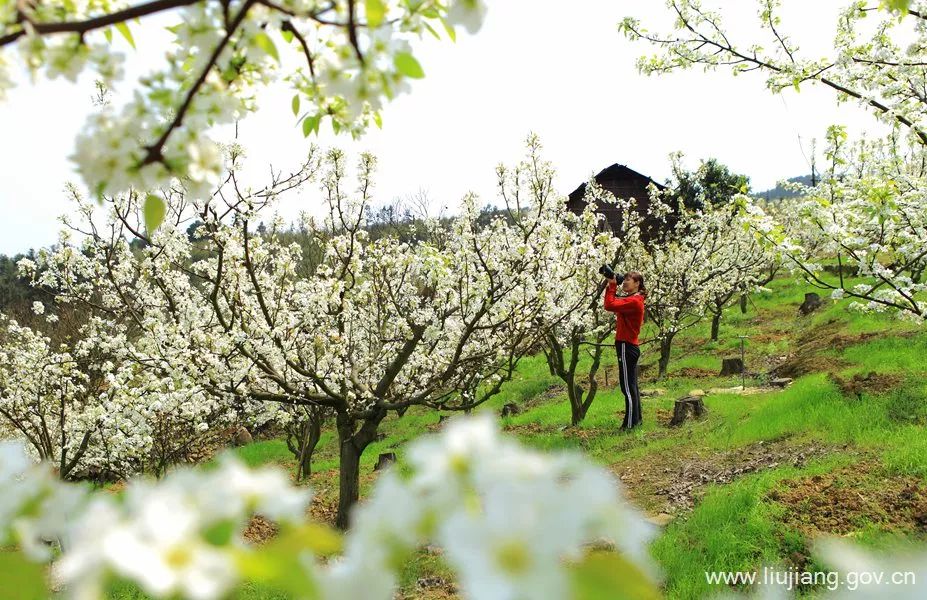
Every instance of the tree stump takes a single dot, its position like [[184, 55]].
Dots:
[[732, 366], [509, 409], [812, 302], [385, 459], [686, 407]]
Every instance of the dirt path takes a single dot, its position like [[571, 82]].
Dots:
[[671, 482]]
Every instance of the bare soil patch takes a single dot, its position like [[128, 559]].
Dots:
[[871, 382], [810, 348], [528, 429], [846, 499], [260, 530], [694, 373]]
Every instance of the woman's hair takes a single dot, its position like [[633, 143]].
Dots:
[[636, 276]]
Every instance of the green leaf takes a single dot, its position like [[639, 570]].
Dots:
[[432, 31], [108, 34], [311, 124], [895, 5], [376, 12], [266, 44], [378, 119], [451, 32], [124, 30], [288, 36], [154, 211], [609, 576], [22, 579], [408, 66], [295, 105]]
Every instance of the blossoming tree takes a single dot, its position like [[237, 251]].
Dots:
[[869, 65], [377, 327], [868, 215], [690, 264]]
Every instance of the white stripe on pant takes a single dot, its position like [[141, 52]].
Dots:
[[625, 389]]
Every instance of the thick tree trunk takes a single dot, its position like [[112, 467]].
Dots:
[[352, 441], [743, 304], [348, 480]]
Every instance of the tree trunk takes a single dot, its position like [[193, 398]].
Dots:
[[743, 304], [715, 326], [311, 433], [666, 345], [348, 480], [578, 409], [352, 441]]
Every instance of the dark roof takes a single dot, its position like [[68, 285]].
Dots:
[[615, 173]]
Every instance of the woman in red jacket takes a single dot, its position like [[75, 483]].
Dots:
[[629, 316]]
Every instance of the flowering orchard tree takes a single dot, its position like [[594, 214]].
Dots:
[[90, 409], [95, 412], [869, 64], [377, 327], [587, 326], [49, 398], [755, 265], [342, 58], [869, 215], [710, 186], [690, 264]]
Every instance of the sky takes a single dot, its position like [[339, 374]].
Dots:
[[558, 69]]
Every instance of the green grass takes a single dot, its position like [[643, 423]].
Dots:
[[265, 452]]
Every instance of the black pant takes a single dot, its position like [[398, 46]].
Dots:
[[628, 355]]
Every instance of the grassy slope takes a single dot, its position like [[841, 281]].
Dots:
[[736, 525]]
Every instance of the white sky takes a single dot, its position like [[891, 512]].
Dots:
[[556, 68]]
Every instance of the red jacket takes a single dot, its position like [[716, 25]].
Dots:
[[629, 314]]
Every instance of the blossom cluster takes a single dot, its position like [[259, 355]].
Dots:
[[342, 59]]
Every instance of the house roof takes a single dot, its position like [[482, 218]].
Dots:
[[615, 172]]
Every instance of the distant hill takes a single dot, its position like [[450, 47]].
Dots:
[[779, 192]]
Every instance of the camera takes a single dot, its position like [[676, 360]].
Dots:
[[607, 272]]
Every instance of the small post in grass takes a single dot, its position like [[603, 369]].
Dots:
[[743, 364]]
